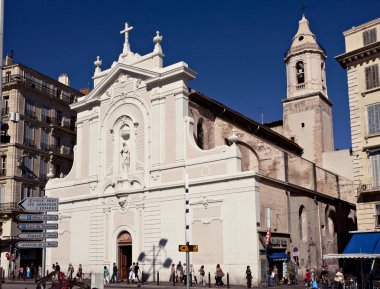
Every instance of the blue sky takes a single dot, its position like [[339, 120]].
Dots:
[[236, 46]]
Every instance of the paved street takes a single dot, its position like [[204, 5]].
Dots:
[[163, 285]]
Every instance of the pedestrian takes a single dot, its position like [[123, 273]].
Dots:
[[80, 273], [338, 279], [39, 270], [219, 275], [192, 275], [106, 275], [307, 278], [114, 278], [179, 272], [137, 269], [314, 279], [275, 276], [57, 267], [70, 272], [324, 277], [32, 271], [248, 276], [172, 274], [27, 272], [202, 274], [21, 273], [184, 274], [131, 276]]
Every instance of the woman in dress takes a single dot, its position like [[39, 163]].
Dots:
[[248, 276], [106, 275], [219, 275]]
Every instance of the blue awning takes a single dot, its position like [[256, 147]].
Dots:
[[364, 243], [278, 256]]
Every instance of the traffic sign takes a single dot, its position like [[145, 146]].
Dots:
[[188, 248], [39, 204], [28, 245], [33, 227], [47, 235], [33, 217]]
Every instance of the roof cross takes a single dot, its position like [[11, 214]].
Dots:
[[127, 28]]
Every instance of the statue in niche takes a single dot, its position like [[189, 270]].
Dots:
[[125, 154]]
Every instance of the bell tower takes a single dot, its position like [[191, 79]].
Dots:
[[307, 109]]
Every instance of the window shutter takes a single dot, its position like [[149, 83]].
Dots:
[[371, 120], [372, 76], [375, 75], [368, 77], [375, 162], [2, 194]]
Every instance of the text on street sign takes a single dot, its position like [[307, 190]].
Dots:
[[27, 245], [33, 227], [39, 204], [32, 217], [43, 235]]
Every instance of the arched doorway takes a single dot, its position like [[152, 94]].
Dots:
[[124, 247]]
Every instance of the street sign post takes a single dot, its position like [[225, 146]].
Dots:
[[29, 245], [36, 227], [39, 204], [33, 217], [44, 235]]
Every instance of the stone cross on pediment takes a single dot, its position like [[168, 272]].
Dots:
[[126, 30]]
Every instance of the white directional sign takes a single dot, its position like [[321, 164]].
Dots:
[[47, 235], [32, 217], [33, 227], [28, 245], [39, 204]]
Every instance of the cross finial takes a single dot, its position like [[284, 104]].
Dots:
[[303, 8], [126, 30]]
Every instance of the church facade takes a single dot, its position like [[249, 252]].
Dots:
[[141, 130]]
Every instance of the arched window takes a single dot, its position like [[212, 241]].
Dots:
[[200, 134], [302, 221], [300, 69], [329, 218]]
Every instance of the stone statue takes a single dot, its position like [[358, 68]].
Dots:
[[125, 154]]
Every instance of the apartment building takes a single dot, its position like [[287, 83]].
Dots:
[[37, 140], [362, 61]]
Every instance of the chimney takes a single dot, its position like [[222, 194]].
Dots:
[[85, 90], [64, 79], [9, 58]]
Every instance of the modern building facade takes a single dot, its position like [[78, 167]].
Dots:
[[142, 129], [362, 61], [38, 136]]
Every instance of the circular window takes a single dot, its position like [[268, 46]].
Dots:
[[300, 38]]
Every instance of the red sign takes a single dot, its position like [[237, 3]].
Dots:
[[267, 238]]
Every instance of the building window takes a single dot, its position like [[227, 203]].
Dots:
[[302, 221], [372, 76], [200, 135], [2, 194], [29, 135], [26, 192], [59, 117], [5, 109], [375, 168], [45, 115], [29, 109], [369, 36], [58, 171], [268, 217], [377, 216], [43, 169], [3, 168], [373, 113], [300, 72], [44, 140]]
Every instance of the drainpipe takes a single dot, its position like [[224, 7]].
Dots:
[[320, 230]]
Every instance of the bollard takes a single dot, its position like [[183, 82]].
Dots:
[[142, 277], [3, 281], [209, 280], [228, 280], [158, 278], [128, 272], [173, 279]]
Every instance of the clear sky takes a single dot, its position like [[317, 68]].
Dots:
[[236, 46]]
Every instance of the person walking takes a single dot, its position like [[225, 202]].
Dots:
[[219, 275], [324, 277], [131, 276], [192, 275], [248, 276], [172, 274], [307, 278], [137, 269], [106, 275], [80, 273], [21, 273], [70, 272], [179, 272], [202, 274], [275, 276], [339, 279], [27, 272], [114, 278]]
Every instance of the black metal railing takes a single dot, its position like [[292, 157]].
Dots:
[[362, 188], [9, 207], [29, 142], [43, 87], [30, 114], [4, 111], [3, 172], [44, 146]]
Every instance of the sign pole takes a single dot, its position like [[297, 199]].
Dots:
[[187, 229]]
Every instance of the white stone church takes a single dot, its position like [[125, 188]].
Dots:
[[142, 129]]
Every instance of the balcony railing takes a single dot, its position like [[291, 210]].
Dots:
[[3, 172], [30, 113], [6, 208], [4, 111], [61, 122], [29, 142], [44, 146], [363, 188], [45, 88], [300, 86]]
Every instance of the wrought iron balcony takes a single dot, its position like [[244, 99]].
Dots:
[[29, 142], [30, 114], [3, 172], [4, 111], [47, 88], [10, 207], [364, 188]]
